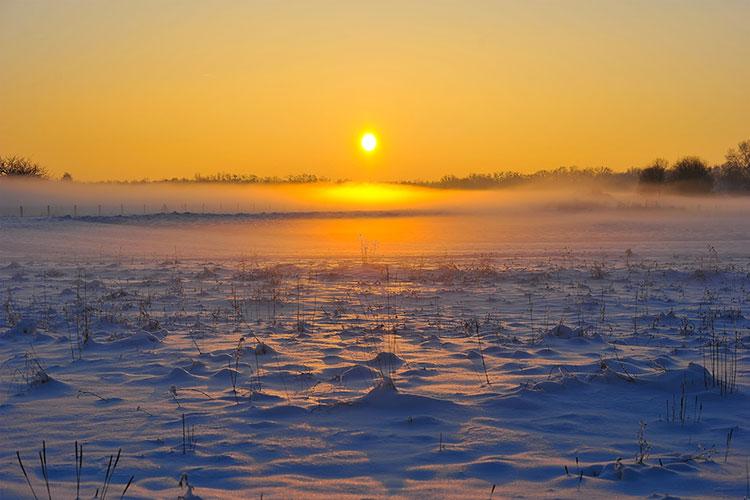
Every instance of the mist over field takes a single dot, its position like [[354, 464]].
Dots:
[[198, 219], [160, 197]]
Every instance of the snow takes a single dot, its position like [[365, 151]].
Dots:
[[461, 358]]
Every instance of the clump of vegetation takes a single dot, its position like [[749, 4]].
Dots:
[[32, 374], [18, 166], [101, 493], [720, 357], [472, 327], [678, 413], [188, 437], [11, 316], [644, 447]]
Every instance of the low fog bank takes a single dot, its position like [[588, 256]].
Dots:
[[35, 198], [311, 220], [72, 198]]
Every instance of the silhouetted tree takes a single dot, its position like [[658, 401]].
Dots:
[[655, 174], [739, 157], [17, 166], [734, 174], [66, 177], [691, 175]]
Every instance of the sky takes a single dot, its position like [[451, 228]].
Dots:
[[155, 89]]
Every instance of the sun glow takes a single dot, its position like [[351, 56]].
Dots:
[[368, 194], [369, 142]]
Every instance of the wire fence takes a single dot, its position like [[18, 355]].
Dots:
[[123, 209]]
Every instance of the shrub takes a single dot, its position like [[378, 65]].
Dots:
[[17, 166]]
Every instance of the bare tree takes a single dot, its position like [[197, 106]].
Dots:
[[734, 174], [739, 157]]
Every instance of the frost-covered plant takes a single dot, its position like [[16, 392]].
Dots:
[[30, 374], [598, 272], [11, 316], [234, 373], [720, 357], [101, 493], [644, 447], [188, 436]]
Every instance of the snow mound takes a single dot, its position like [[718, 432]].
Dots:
[[263, 349], [564, 378], [386, 397], [351, 332], [357, 373], [179, 376], [225, 375], [558, 382], [420, 421], [694, 379], [24, 328], [618, 471], [42, 385], [137, 339], [492, 468], [196, 367], [565, 332], [384, 392], [431, 341], [206, 273], [385, 360]]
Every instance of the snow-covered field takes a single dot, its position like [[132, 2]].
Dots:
[[597, 354]]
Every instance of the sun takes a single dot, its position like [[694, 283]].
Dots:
[[369, 142]]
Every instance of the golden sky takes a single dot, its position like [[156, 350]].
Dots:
[[123, 90]]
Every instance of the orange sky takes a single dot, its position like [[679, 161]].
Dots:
[[123, 90]]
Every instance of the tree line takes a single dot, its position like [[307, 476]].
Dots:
[[602, 175], [690, 175], [693, 175]]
